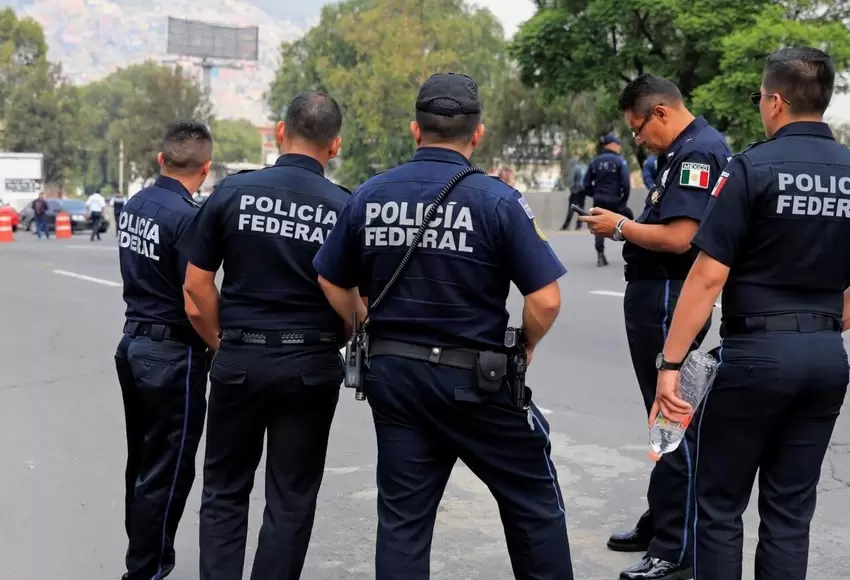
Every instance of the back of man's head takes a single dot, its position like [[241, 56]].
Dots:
[[803, 76], [314, 117], [448, 109], [186, 148], [648, 91]]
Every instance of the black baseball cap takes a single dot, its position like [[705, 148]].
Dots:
[[449, 94]]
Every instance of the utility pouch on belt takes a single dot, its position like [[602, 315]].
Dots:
[[491, 370]]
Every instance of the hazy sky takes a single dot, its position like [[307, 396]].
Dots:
[[512, 13]]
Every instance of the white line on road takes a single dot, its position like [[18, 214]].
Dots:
[[621, 294], [607, 293], [545, 411], [87, 278]]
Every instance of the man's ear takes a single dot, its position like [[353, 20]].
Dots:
[[160, 160], [279, 131], [333, 150], [478, 135], [416, 132]]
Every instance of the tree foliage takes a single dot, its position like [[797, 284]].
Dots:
[[372, 56], [712, 49], [134, 105], [235, 141], [39, 110]]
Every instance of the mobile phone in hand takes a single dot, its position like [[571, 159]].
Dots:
[[579, 210]]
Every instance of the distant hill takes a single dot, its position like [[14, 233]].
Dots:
[[91, 38]]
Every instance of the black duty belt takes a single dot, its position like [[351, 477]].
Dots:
[[160, 332], [276, 338], [653, 272], [452, 357], [800, 322]]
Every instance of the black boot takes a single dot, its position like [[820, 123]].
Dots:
[[601, 260], [656, 569]]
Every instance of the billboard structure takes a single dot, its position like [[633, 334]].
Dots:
[[216, 46]]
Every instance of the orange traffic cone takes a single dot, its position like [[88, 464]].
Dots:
[[63, 225], [6, 234]]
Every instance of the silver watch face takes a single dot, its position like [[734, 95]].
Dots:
[[659, 360]]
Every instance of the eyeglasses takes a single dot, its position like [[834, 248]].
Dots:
[[756, 97], [646, 121]]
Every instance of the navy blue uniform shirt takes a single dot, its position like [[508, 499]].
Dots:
[[265, 227], [686, 173], [453, 292], [780, 219], [152, 268], [607, 180]]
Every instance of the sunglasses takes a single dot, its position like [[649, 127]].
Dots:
[[756, 97]]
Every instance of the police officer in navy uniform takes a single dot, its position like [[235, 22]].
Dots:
[[446, 312], [162, 358], [607, 182], [658, 255], [776, 240], [278, 371]]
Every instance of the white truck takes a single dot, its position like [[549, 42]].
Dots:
[[21, 177]]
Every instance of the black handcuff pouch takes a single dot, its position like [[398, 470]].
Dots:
[[491, 370]]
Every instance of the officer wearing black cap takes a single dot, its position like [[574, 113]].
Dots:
[[776, 240], [658, 255], [607, 182], [437, 380], [161, 360], [278, 371]]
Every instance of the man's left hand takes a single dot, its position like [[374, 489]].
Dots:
[[602, 222], [667, 400]]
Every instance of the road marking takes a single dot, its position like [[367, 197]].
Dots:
[[87, 278], [607, 293], [621, 294], [544, 410]]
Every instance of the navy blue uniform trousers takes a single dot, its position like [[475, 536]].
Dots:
[[287, 395], [163, 384], [426, 418], [772, 409], [648, 306]]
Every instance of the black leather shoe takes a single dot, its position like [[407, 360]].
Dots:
[[601, 260], [655, 569], [635, 540]]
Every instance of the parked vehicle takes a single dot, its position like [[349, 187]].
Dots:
[[76, 209]]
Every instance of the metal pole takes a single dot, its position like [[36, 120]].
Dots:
[[121, 167]]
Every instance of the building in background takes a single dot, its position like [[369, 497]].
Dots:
[[269, 145]]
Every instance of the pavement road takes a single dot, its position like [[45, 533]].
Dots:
[[62, 445]]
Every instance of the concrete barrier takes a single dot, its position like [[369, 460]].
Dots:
[[550, 207]]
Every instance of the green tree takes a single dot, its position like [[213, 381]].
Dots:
[[40, 111], [236, 141], [42, 115], [134, 105], [372, 56], [712, 49]]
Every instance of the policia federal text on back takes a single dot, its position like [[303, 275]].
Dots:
[[278, 370], [437, 376]]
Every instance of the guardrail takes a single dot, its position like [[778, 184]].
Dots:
[[550, 207]]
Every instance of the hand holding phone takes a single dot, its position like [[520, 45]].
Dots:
[[580, 210]]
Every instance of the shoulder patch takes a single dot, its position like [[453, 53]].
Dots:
[[527, 208], [538, 230], [695, 175], [720, 183]]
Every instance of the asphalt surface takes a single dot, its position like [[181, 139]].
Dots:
[[62, 445]]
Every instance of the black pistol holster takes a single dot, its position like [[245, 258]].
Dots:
[[357, 349], [517, 366]]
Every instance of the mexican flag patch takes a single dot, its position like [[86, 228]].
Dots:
[[695, 175]]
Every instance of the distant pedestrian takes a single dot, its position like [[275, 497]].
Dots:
[[95, 205], [117, 207], [39, 207]]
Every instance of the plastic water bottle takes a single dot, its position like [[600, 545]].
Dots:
[[695, 377]]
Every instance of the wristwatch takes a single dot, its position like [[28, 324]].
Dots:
[[663, 365], [617, 236]]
